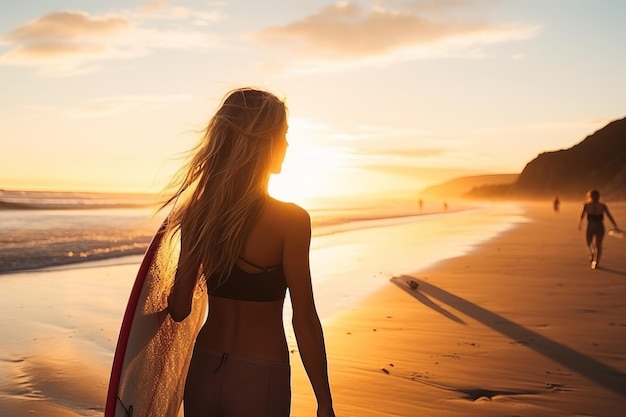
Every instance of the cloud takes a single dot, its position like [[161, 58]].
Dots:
[[162, 10], [588, 124], [404, 153], [67, 43], [111, 105], [417, 171], [105, 106], [369, 145], [59, 26], [346, 32], [378, 133], [374, 140], [396, 150]]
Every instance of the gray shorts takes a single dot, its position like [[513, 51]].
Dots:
[[223, 384]]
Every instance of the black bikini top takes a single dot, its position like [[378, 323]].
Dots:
[[268, 285]]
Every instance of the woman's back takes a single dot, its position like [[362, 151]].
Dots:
[[595, 209], [250, 323]]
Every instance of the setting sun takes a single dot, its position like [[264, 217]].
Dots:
[[309, 170]]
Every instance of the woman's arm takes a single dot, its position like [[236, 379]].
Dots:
[[582, 215], [608, 214], [306, 323], [181, 295]]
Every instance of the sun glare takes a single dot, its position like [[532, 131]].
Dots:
[[318, 168], [308, 172]]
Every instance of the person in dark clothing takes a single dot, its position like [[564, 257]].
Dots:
[[595, 211]]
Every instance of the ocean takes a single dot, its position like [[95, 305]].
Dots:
[[43, 229], [50, 229]]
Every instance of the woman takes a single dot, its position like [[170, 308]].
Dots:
[[595, 211], [249, 248]]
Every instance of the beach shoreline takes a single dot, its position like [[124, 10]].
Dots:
[[483, 335], [43, 239]]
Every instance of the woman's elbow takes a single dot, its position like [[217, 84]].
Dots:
[[177, 310], [178, 314]]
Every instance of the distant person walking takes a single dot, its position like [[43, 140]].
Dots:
[[557, 204], [595, 211]]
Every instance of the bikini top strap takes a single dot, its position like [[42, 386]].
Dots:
[[262, 268]]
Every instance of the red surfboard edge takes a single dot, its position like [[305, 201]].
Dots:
[[133, 299]]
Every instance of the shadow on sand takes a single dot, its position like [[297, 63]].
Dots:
[[606, 376], [612, 271]]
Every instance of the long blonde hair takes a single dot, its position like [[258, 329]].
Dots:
[[221, 191]]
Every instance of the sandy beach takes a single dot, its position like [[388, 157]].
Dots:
[[521, 326], [516, 326]]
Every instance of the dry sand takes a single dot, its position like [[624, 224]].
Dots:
[[520, 326]]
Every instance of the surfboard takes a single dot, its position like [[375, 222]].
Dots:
[[153, 351]]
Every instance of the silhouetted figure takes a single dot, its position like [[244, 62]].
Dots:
[[557, 204], [249, 248], [421, 203], [445, 206], [595, 211]]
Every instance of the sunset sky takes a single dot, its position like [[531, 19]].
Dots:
[[383, 95]]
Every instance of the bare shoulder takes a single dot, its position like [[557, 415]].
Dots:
[[288, 218], [288, 214]]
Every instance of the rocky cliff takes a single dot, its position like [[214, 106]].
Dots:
[[599, 161]]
